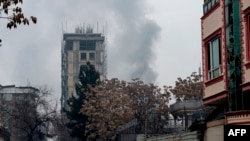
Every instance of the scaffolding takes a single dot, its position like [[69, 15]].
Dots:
[[78, 48]]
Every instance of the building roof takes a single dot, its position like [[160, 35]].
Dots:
[[80, 36], [13, 88]]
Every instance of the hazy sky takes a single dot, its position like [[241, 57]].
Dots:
[[157, 40]]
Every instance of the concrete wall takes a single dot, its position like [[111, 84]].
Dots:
[[215, 131], [208, 24], [214, 89], [187, 136], [245, 4], [245, 40]]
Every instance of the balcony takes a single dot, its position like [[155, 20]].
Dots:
[[238, 117]]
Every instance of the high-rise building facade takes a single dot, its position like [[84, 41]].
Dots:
[[225, 29], [77, 49]]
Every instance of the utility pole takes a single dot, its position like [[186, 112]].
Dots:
[[145, 130]]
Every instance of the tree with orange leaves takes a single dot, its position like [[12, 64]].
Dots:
[[107, 106], [190, 87], [114, 103]]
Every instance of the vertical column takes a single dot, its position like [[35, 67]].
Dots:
[[233, 44]]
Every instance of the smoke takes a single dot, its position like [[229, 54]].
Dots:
[[32, 54], [132, 54]]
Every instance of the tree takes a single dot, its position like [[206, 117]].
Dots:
[[108, 106], [190, 87], [114, 103], [150, 105], [32, 117], [77, 121], [60, 129], [17, 16]]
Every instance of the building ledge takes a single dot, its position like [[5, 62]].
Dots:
[[247, 65], [238, 117], [215, 123], [245, 86], [216, 99], [213, 81]]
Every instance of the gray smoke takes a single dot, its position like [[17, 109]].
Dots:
[[132, 55], [32, 55]]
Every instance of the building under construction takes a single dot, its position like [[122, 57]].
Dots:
[[77, 49]]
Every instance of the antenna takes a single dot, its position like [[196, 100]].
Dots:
[[97, 27], [200, 75], [28, 82], [66, 26]]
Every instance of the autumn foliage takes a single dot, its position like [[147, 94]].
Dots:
[[88, 76], [17, 16], [114, 103], [107, 106], [190, 87]]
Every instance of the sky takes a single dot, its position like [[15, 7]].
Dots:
[[155, 40]]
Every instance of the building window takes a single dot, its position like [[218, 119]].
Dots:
[[83, 56], [214, 61], [19, 97], [87, 45], [7, 97], [248, 36], [209, 4], [69, 45], [91, 56]]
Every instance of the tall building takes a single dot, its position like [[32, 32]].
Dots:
[[225, 27], [10, 98], [77, 49]]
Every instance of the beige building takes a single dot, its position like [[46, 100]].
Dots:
[[77, 49]]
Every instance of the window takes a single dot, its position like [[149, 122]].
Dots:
[[19, 97], [7, 97], [69, 45], [91, 56], [248, 36], [83, 56], [209, 4], [87, 45], [214, 61]]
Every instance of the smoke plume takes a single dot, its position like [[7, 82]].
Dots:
[[132, 54]]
